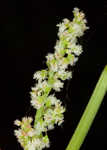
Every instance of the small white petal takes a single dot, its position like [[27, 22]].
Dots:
[[57, 85], [17, 122]]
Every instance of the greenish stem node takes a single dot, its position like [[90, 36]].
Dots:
[[89, 113]]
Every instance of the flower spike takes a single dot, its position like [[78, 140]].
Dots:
[[49, 109]]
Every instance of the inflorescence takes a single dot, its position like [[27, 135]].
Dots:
[[49, 108]]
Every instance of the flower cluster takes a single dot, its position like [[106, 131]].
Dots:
[[49, 108], [27, 136]]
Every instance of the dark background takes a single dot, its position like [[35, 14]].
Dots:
[[27, 33]]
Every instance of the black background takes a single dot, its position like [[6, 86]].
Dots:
[[27, 33]]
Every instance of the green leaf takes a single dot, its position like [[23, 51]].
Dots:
[[89, 113]]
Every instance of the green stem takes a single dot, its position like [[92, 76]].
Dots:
[[39, 112], [38, 115], [89, 113]]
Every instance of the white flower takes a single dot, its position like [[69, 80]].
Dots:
[[35, 91], [77, 30], [27, 119], [54, 67], [76, 49], [66, 21], [42, 85], [58, 113], [40, 127], [53, 99], [68, 75], [50, 56], [48, 116], [57, 85], [37, 75], [30, 146], [62, 27], [17, 122], [76, 11], [31, 133], [72, 62], [40, 75], [50, 126], [62, 64], [45, 142], [36, 104], [59, 119], [18, 133], [34, 144], [37, 142], [54, 115], [64, 74], [59, 109], [59, 46]]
